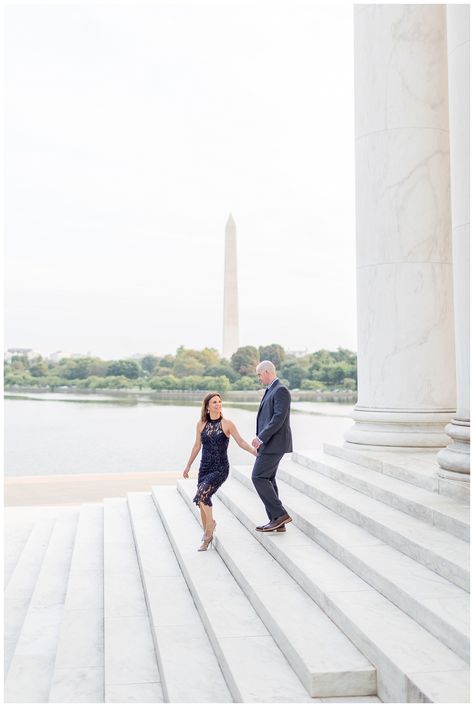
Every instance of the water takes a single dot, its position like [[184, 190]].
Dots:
[[54, 434]]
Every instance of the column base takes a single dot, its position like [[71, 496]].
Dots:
[[454, 459], [395, 430]]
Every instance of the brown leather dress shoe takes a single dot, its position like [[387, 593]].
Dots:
[[275, 524]]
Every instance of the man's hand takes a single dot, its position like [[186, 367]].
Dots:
[[256, 443]]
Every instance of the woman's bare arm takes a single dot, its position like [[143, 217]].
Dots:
[[195, 449], [233, 431]]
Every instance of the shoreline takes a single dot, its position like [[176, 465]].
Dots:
[[74, 489], [189, 396]]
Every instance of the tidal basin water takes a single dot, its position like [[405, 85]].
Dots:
[[65, 434]]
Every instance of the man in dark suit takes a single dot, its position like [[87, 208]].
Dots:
[[273, 440]]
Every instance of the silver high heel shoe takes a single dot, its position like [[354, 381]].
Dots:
[[213, 529], [207, 541]]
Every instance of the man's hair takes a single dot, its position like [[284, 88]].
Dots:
[[266, 366]]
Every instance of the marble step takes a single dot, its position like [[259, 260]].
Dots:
[[442, 512], [438, 550], [79, 666], [31, 669], [16, 533], [252, 663], [130, 667], [412, 665], [327, 663], [21, 584], [436, 604], [181, 642], [417, 468]]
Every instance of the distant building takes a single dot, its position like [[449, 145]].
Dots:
[[19, 351]]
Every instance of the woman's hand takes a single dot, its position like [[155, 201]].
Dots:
[[186, 473]]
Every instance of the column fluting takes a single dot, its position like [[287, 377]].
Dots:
[[454, 459], [406, 359]]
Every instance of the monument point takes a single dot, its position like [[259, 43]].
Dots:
[[231, 304]]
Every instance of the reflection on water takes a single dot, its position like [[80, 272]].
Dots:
[[46, 434]]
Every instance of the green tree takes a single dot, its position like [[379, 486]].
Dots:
[[167, 361], [273, 352], [307, 384], [245, 360], [150, 363], [187, 365], [222, 369], [20, 363], [350, 383], [246, 383], [128, 369], [38, 367], [294, 373], [168, 382], [208, 357]]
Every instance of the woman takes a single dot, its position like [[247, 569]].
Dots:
[[212, 432]]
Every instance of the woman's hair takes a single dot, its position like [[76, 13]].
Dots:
[[205, 402]]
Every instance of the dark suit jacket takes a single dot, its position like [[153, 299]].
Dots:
[[273, 421]]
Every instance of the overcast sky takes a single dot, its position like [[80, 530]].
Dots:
[[131, 133]]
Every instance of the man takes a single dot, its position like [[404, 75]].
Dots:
[[273, 440]]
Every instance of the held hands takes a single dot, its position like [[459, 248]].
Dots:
[[256, 443]]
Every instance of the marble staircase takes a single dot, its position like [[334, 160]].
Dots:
[[363, 599]]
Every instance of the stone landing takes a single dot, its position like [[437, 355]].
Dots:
[[363, 599]]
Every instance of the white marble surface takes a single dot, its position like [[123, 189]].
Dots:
[[425, 505], [80, 650], [135, 661], [326, 662], [31, 669], [82, 644], [360, 614], [129, 653], [261, 671], [406, 340], [71, 685], [456, 457], [400, 69], [141, 693], [411, 586], [403, 205], [449, 686], [189, 646], [238, 636], [179, 635], [21, 585], [458, 46], [406, 361], [16, 534]]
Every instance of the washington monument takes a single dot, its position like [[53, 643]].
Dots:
[[231, 305]]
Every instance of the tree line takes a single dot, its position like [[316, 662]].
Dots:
[[189, 369]]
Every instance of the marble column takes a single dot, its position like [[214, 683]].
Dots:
[[454, 460], [231, 307], [406, 359]]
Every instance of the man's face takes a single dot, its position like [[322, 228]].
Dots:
[[263, 377]]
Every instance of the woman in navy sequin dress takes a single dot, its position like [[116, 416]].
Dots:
[[212, 433]]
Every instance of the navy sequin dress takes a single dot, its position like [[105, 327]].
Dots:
[[214, 468]]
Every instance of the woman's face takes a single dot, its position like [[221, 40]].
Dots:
[[215, 406]]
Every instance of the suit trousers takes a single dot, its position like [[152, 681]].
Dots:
[[263, 477]]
